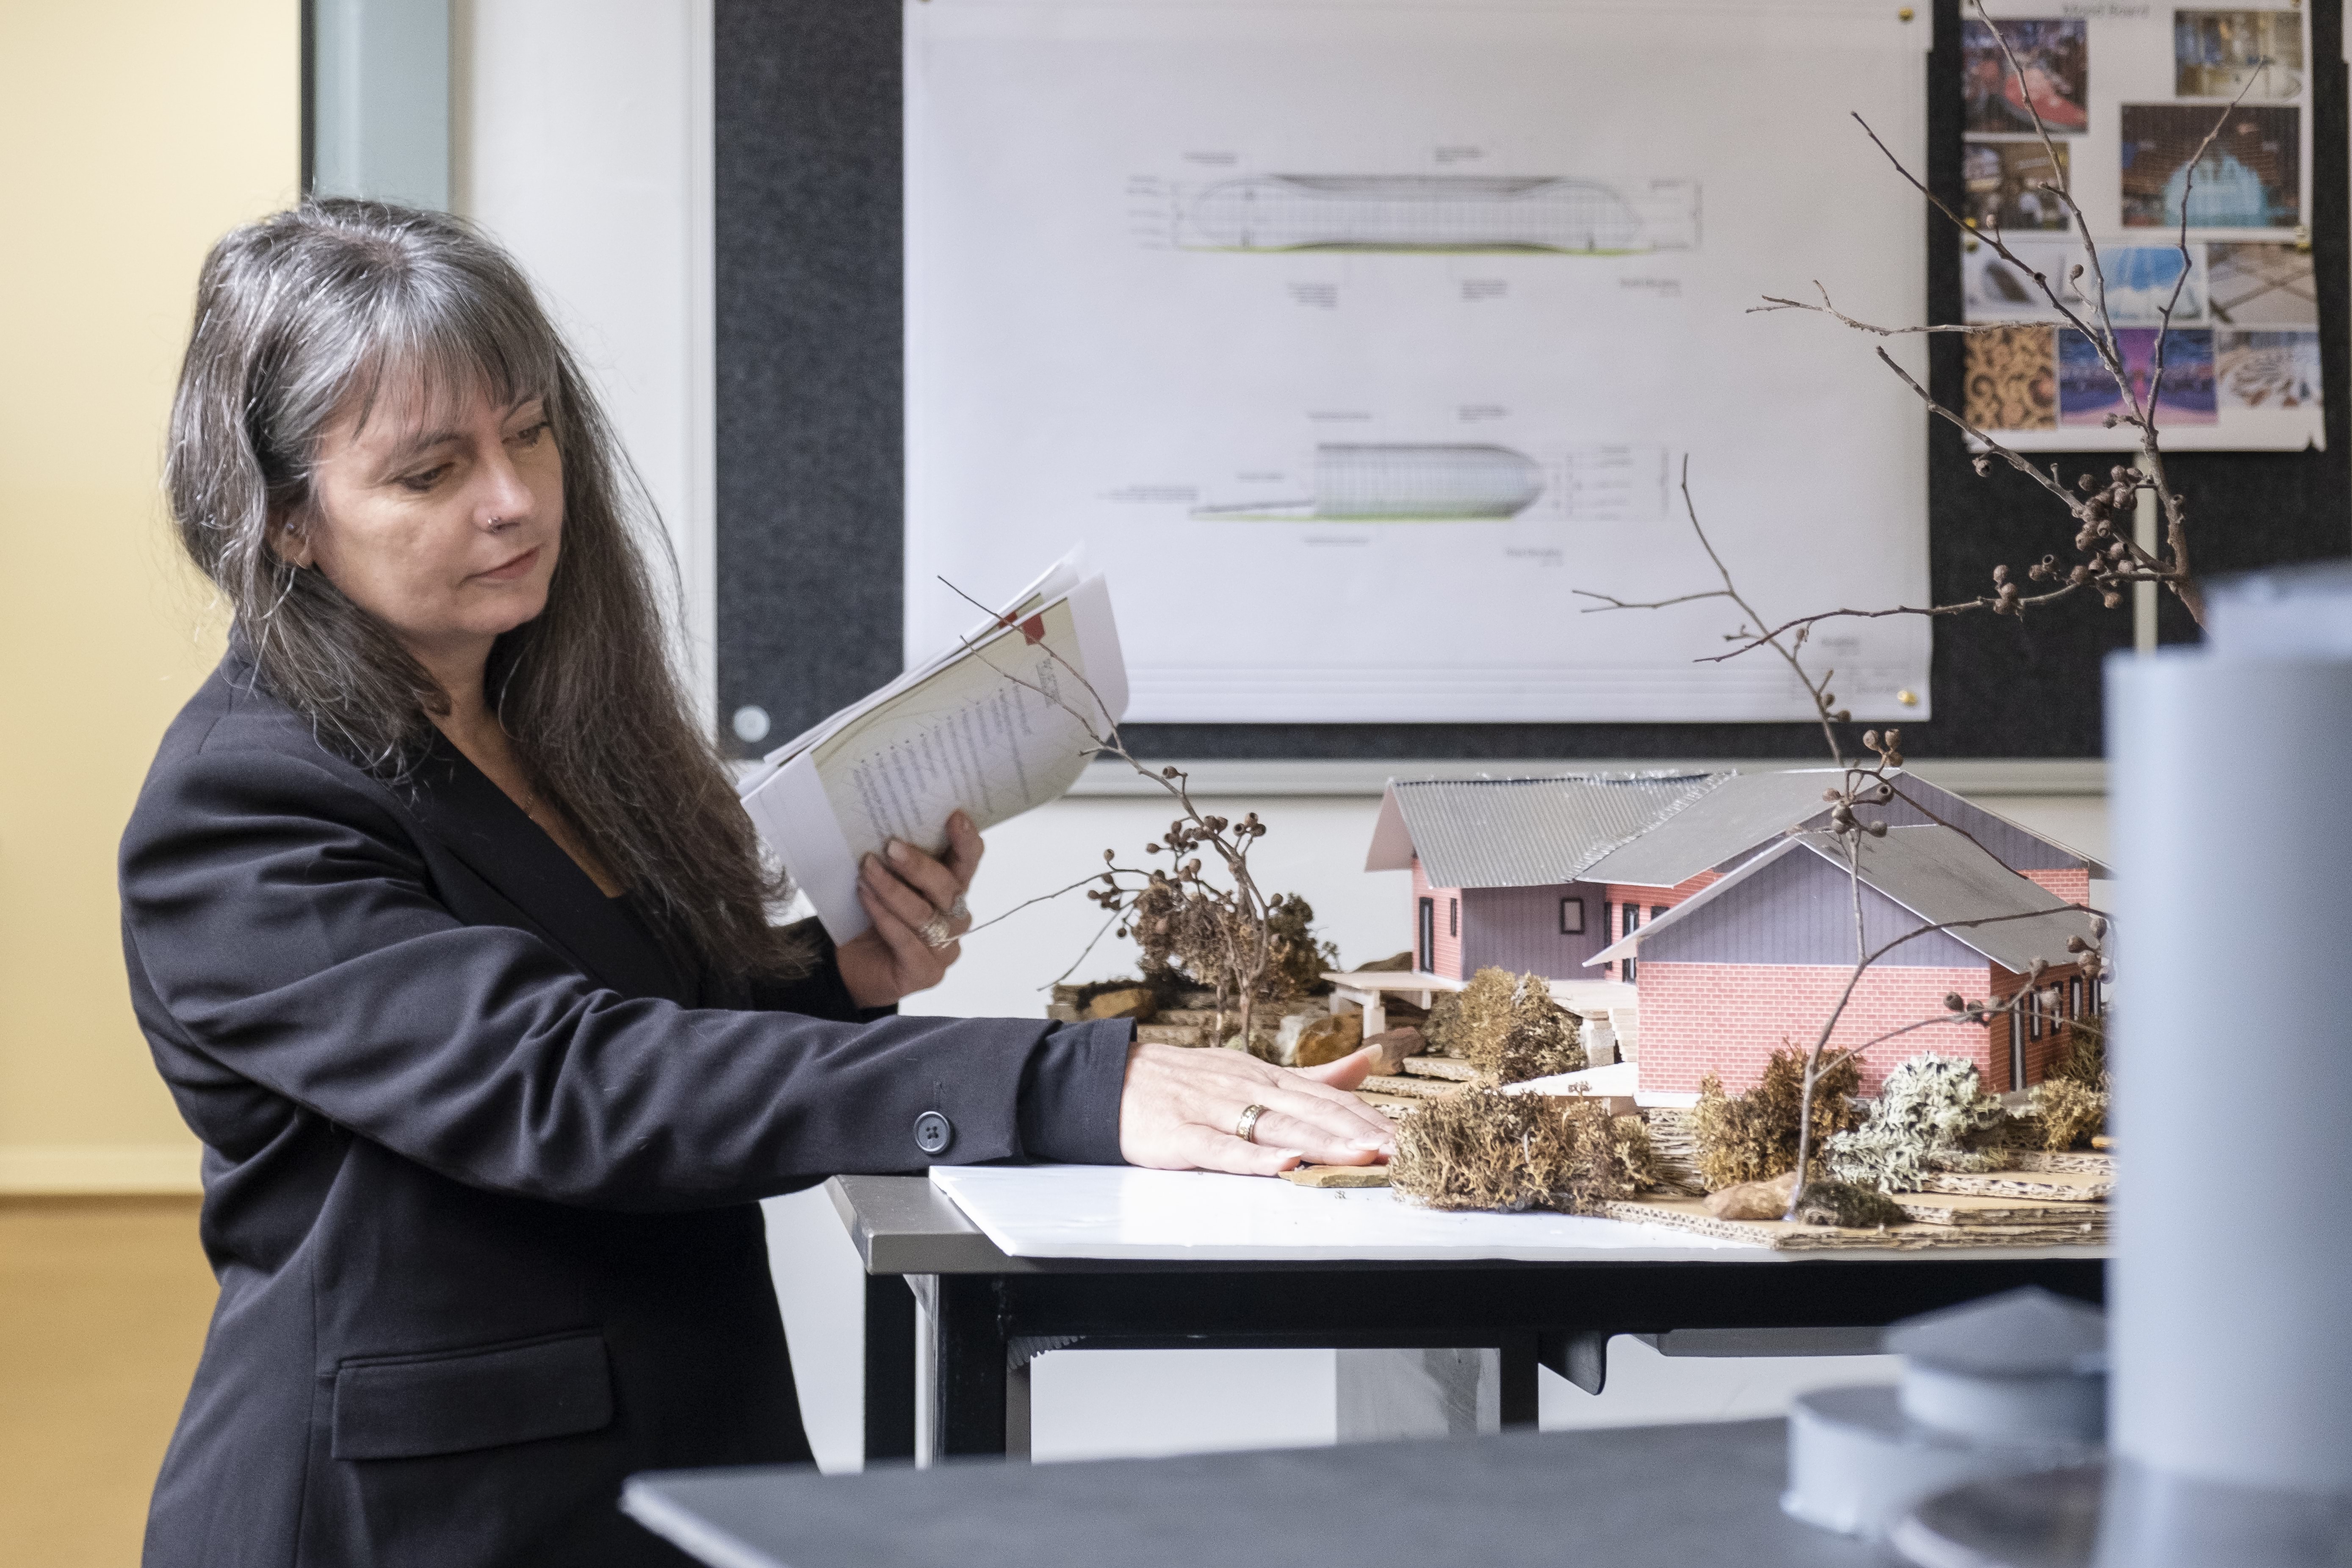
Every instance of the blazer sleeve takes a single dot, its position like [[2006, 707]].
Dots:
[[283, 919]]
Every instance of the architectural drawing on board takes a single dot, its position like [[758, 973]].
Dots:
[[1396, 482], [1440, 212]]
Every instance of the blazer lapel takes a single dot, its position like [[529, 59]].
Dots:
[[458, 804]]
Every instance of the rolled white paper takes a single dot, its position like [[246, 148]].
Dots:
[[2231, 1293]]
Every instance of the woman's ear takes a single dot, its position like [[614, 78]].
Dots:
[[288, 541]]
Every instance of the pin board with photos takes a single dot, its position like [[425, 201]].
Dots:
[[2143, 107]]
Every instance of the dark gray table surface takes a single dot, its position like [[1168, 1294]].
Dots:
[[1639, 1496]]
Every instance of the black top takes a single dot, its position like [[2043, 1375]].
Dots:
[[482, 1150]]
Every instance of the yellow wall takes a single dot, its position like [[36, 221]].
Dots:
[[135, 135]]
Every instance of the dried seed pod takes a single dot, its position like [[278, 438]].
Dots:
[[1876, 829], [1952, 1002], [1870, 739], [2000, 574]]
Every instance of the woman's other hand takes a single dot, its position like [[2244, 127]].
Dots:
[[1182, 1106], [911, 897]]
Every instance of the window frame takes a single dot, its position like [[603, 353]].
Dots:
[[1577, 929]]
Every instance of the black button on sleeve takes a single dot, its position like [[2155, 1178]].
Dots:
[[933, 1132]]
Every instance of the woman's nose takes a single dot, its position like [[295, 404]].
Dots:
[[505, 499]]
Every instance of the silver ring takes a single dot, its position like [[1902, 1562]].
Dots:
[[1246, 1128], [934, 933]]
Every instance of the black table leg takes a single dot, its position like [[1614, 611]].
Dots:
[[890, 1368], [968, 1363], [1520, 1401]]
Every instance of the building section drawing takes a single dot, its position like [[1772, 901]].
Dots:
[[1399, 481], [1394, 482], [1438, 213]]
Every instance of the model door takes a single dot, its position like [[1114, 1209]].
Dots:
[[1426, 959]]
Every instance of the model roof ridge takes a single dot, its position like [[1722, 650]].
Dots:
[[1914, 848]]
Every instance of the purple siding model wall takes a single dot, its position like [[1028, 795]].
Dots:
[[1799, 909], [1518, 929]]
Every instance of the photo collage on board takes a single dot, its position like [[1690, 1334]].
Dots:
[[2136, 123]]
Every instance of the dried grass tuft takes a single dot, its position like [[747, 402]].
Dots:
[[1752, 1137], [1511, 1031], [2068, 1114], [1483, 1148]]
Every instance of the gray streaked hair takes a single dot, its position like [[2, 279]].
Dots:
[[309, 311]]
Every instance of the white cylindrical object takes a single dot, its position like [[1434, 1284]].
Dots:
[[2231, 1287], [2006, 1409]]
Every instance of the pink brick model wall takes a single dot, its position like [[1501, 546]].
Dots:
[[1728, 1018], [1448, 914], [2073, 886]]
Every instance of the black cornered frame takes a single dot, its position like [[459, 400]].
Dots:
[[811, 440]]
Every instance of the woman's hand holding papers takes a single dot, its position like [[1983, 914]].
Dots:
[[1182, 1106], [902, 895]]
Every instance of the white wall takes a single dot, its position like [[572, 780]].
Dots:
[[581, 140]]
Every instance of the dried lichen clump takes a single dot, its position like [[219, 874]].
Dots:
[[1932, 1115], [1443, 1027], [1752, 1137], [1487, 1150], [1295, 959], [1510, 1030], [1844, 1204], [2068, 1114]]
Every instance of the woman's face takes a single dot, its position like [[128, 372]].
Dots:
[[441, 522]]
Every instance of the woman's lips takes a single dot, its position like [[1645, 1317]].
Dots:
[[520, 566]]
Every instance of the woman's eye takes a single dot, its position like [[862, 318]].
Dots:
[[530, 438], [422, 482]]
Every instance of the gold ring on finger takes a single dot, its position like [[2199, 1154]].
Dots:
[[1246, 1128], [934, 933]]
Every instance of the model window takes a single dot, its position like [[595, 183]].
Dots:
[[1657, 909], [1631, 916], [2033, 1017], [1571, 917], [2017, 1050], [1454, 919], [1428, 935], [2091, 993], [2073, 1000]]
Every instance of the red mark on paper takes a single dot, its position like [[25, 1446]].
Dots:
[[1033, 628]]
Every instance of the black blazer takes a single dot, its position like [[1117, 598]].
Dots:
[[482, 1151]]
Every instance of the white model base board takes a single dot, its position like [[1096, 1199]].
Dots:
[[1117, 1211]]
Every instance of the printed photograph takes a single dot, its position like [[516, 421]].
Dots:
[[2004, 182], [2087, 391], [2055, 57], [2261, 284], [2267, 370], [2143, 278], [2216, 53], [2251, 177], [1993, 289], [2012, 379]]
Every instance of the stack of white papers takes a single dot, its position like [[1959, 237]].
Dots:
[[1005, 721]]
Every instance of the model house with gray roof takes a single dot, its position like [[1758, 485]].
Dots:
[[1550, 875], [1757, 960]]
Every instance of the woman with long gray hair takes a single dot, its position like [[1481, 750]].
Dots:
[[454, 946]]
